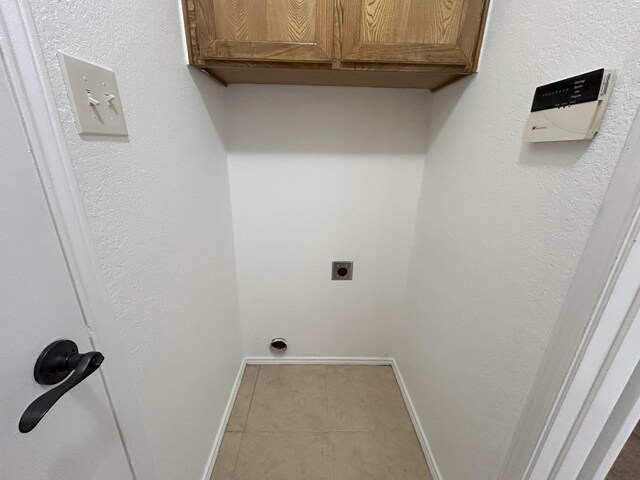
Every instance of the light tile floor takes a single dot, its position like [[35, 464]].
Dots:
[[319, 422]]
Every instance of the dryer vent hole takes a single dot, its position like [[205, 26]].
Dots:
[[279, 344]]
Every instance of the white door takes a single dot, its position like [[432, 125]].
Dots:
[[78, 438]]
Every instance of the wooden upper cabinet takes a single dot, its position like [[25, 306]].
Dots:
[[265, 30], [383, 43], [434, 32]]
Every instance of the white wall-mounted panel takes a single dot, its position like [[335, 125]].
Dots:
[[94, 96]]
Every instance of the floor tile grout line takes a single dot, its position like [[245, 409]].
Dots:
[[326, 392], [235, 462], [253, 392], [331, 430], [326, 433], [244, 428]]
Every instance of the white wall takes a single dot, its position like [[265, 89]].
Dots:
[[321, 174], [502, 224], [158, 205]]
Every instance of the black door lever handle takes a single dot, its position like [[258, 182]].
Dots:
[[54, 364]]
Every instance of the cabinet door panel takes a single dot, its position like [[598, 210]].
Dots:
[[273, 30], [411, 31]]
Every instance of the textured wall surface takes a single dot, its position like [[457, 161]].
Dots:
[[502, 223], [321, 174], [158, 205]]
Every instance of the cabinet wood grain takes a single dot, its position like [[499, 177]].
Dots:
[[411, 31], [273, 30], [403, 43]]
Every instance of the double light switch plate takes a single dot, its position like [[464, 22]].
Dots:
[[94, 97]]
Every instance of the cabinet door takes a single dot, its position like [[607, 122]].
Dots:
[[412, 31], [270, 30]]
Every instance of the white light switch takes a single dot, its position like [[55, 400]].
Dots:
[[93, 93]]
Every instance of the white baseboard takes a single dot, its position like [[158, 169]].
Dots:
[[318, 361], [217, 441], [433, 466], [422, 438]]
